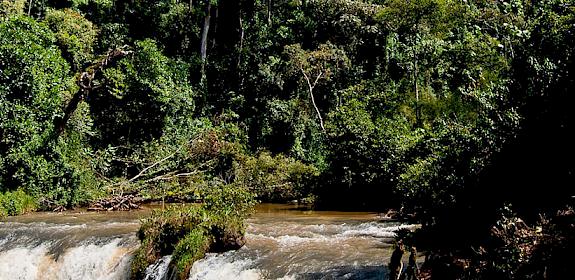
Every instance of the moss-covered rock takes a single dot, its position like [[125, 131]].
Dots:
[[189, 231]]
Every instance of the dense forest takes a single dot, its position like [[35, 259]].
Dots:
[[456, 113]]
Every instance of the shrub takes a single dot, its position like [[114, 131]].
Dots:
[[275, 178], [16, 203]]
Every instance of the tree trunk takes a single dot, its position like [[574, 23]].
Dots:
[[84, 81], [69, 110], [415, 86], [269, 12], [241, 47], [204, 42], [215, 28], [316, 109]]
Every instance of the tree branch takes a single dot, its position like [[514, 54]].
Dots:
[[310, 88], [145, 172], [85, 82]]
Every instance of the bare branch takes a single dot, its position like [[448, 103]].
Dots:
[[145, 172], [310, 88]]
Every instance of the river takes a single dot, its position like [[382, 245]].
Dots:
[[283, 242]]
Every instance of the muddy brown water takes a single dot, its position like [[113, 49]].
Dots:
[[283, 242]]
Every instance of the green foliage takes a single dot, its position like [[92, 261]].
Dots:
[[112, 36], [11, 7], [35, 82], [161, 232], [148, 91], [75, 35], [275, 178], [16, 203], [323, 62], [190, 249], [229, 202]]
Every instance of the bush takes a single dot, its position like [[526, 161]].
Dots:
[[516, 250], [275, 178], [74, 34], [161, 232], [35, 83], [16, 203]]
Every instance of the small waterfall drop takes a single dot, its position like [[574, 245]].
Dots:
[[159, 270], [57, 246]]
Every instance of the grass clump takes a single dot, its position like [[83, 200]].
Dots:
[[190, 249]]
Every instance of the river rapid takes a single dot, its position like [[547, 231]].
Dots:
[[283, 242]]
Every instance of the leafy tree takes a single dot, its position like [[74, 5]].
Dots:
[[315, 66], [75, 35], [145, 91], [35, 80], [275, 178], [9, 7]]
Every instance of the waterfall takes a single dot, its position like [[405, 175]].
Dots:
[[79, 247], [89, 260]]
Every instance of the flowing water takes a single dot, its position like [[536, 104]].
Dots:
[[68, 246], [283, 242]]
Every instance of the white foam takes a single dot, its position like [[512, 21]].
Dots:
[[46, 226], [98, 262], [159, 270], [222, 266], [335, 233], [21, 263], [107, 261], [374, 229]]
